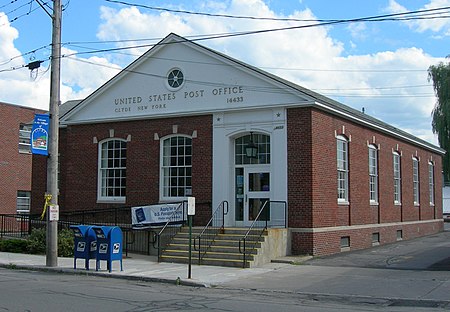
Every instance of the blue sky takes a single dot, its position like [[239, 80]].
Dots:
[[381, 66]]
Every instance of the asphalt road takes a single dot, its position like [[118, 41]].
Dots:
[[46, 291]]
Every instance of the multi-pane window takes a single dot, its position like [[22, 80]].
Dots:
[[23, 202], [431, 181], [24, 138], [342, 168], [262, 143], [373, 173], [176, 171], [112, 170], [416, 186], [397, 178]]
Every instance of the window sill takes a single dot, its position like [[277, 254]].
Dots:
[[343, 203], [397, 203], [111, 200], [373, 203]]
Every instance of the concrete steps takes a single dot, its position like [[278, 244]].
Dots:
[[223, 251]]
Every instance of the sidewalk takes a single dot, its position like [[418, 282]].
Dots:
[[141, 268], [413, 272]]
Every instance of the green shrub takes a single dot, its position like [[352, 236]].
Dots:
[[14, 245], [65, 243], [37, 242]]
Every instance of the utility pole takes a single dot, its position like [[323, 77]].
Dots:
[[52, 161]]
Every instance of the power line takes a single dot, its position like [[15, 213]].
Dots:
[[274, 89], [24, 14], [7, 4], [242, 33], [434, 10]]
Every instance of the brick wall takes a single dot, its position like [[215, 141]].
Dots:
[[300, 184], [15, 167], [312, 192], [79, 162], [328, 242]]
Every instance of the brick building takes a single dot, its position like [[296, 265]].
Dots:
[[178, 121], [15, 158]]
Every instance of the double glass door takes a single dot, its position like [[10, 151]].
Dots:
[[252, 190]]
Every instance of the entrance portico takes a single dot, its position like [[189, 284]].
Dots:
[[248, 182]]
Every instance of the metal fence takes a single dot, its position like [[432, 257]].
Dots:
[[135, 240]]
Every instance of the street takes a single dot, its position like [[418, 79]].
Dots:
[[22, 290]]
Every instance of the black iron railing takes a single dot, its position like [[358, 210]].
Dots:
[[171, 228], [260, 224], [15, 226], [214, 227]]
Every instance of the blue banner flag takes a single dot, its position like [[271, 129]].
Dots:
[[39, 134]]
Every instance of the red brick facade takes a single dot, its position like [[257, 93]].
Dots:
[[79, 163], [233, 102], [15, 167], [317, 220]]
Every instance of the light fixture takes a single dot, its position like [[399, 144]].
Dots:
[[251, 150]]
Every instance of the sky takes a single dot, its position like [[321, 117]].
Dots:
[[376, 65]]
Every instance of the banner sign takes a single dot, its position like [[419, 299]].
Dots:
[[154, 215], [39, 134]]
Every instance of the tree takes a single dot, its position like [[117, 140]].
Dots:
[[440, 75]]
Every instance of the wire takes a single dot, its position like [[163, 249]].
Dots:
[[270, 18], [22, 55], [24, 14], [5, 5], [270, 89]]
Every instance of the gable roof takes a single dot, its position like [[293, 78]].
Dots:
[[303, 96]]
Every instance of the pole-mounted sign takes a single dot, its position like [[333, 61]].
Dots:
[[39, 134], [191, 213]]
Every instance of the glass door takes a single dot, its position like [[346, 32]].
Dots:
[[252, 191]]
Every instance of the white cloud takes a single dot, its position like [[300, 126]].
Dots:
[[358, 30], [308, 56], [436, 25], [78, 78]]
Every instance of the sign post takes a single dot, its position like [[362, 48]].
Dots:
[[191, 212]]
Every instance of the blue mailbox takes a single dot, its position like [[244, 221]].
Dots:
[[85, 244], [109, 245]]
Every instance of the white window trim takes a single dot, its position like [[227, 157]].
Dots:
[[397, 154], [375, 175], [431, 182], [416, 189], [162, 198], [25, 198], [25, 133], [106, 199], [343, 201]]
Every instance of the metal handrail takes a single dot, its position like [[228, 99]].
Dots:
[[210, 231], [173, 220], [243, 240]]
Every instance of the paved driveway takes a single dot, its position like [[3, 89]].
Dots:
[[425, 253]]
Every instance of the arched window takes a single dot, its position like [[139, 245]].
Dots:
[[342, 168], [176, 169], [112, 167], [259, 141]]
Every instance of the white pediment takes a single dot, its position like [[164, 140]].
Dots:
[[210, 82]]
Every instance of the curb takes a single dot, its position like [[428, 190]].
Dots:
[[177, 281]]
